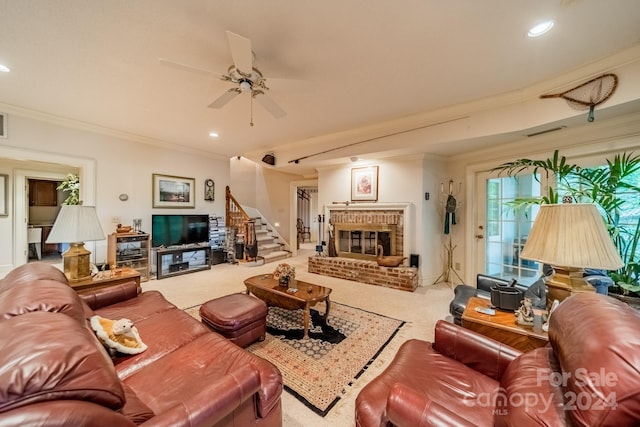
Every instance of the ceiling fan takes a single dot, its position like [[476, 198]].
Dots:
[[242, 74]]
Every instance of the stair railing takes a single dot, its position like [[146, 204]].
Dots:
[[238, 219], [235, 216]]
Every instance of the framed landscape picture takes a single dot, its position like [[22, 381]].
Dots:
[[364, 184], [173, 191]]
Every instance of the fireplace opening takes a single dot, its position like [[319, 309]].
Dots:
[[360, 241]]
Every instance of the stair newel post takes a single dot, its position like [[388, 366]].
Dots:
[[227, 207]]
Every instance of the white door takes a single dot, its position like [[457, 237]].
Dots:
[[501, 230]]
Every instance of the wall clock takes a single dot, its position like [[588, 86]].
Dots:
[[209, 190]]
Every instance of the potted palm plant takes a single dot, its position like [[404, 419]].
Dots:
[[613, 188]]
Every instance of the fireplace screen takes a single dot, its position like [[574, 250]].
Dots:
[[361, 240]]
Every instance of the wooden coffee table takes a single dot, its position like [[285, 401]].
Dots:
[[502, 326], [267, 289]]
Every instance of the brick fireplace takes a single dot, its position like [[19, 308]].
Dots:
[[361, 241], [358, 229]]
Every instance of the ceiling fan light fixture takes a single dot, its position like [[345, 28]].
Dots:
[[541, 28], [250, 80]]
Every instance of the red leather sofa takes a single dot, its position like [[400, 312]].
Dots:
[[54, 371], [589, 375]]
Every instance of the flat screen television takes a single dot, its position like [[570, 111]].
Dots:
[[171, 230]]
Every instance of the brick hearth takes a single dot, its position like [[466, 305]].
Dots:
[[404, 278]]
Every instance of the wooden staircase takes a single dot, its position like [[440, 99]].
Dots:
[[270, 249]]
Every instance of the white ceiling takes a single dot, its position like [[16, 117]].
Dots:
[[335, 66]]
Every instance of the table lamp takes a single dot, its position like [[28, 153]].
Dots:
[[570, 237], [75, 225]]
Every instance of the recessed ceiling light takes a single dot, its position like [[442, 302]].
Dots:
[[541, 28], [213, 134], [4, 68]]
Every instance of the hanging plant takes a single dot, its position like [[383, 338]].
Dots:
[[71, 185]]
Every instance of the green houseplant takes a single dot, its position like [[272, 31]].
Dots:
[[71, 185], [602, 186]]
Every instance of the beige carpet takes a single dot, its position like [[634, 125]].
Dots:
[[420, 309]]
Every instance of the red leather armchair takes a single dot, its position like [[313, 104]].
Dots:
[[588, 375], [433, 382]]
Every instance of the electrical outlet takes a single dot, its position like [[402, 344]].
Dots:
[[458, 266], [116, 220]]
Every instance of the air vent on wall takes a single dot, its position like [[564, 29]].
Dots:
[[546, 131]]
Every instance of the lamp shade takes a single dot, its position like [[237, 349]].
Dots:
[[76, 223], [571, 235]]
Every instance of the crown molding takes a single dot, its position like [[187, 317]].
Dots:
[[97, 129]]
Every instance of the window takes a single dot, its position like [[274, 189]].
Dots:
[[626, 217]]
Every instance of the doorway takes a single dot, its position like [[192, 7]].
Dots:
[[502, 230], [44, 201], [42, 165], [311, 210], [306, 217]]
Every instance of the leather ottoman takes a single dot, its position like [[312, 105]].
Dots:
[[240, 318]]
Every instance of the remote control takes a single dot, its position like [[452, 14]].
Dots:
[[488, 311]]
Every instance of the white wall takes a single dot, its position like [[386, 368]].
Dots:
[[242, 180], [436, 183], [121, 166]]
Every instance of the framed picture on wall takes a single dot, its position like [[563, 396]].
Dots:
[[364, 184], [173, 191]]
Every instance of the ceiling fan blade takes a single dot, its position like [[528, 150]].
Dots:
[[241, 52], [225, 98], [270, 105], [183, 67]]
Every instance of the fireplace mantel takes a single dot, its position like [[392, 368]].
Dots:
[[341, 206]]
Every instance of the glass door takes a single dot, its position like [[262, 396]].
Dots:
[[503, 229]]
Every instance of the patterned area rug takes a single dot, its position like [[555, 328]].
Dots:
[[319, 370]]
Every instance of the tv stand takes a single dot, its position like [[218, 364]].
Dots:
[[185, 259]]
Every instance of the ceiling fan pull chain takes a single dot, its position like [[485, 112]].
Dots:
[[251, 106]]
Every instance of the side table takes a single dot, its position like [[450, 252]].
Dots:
[[107, 278], [502, 326]]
